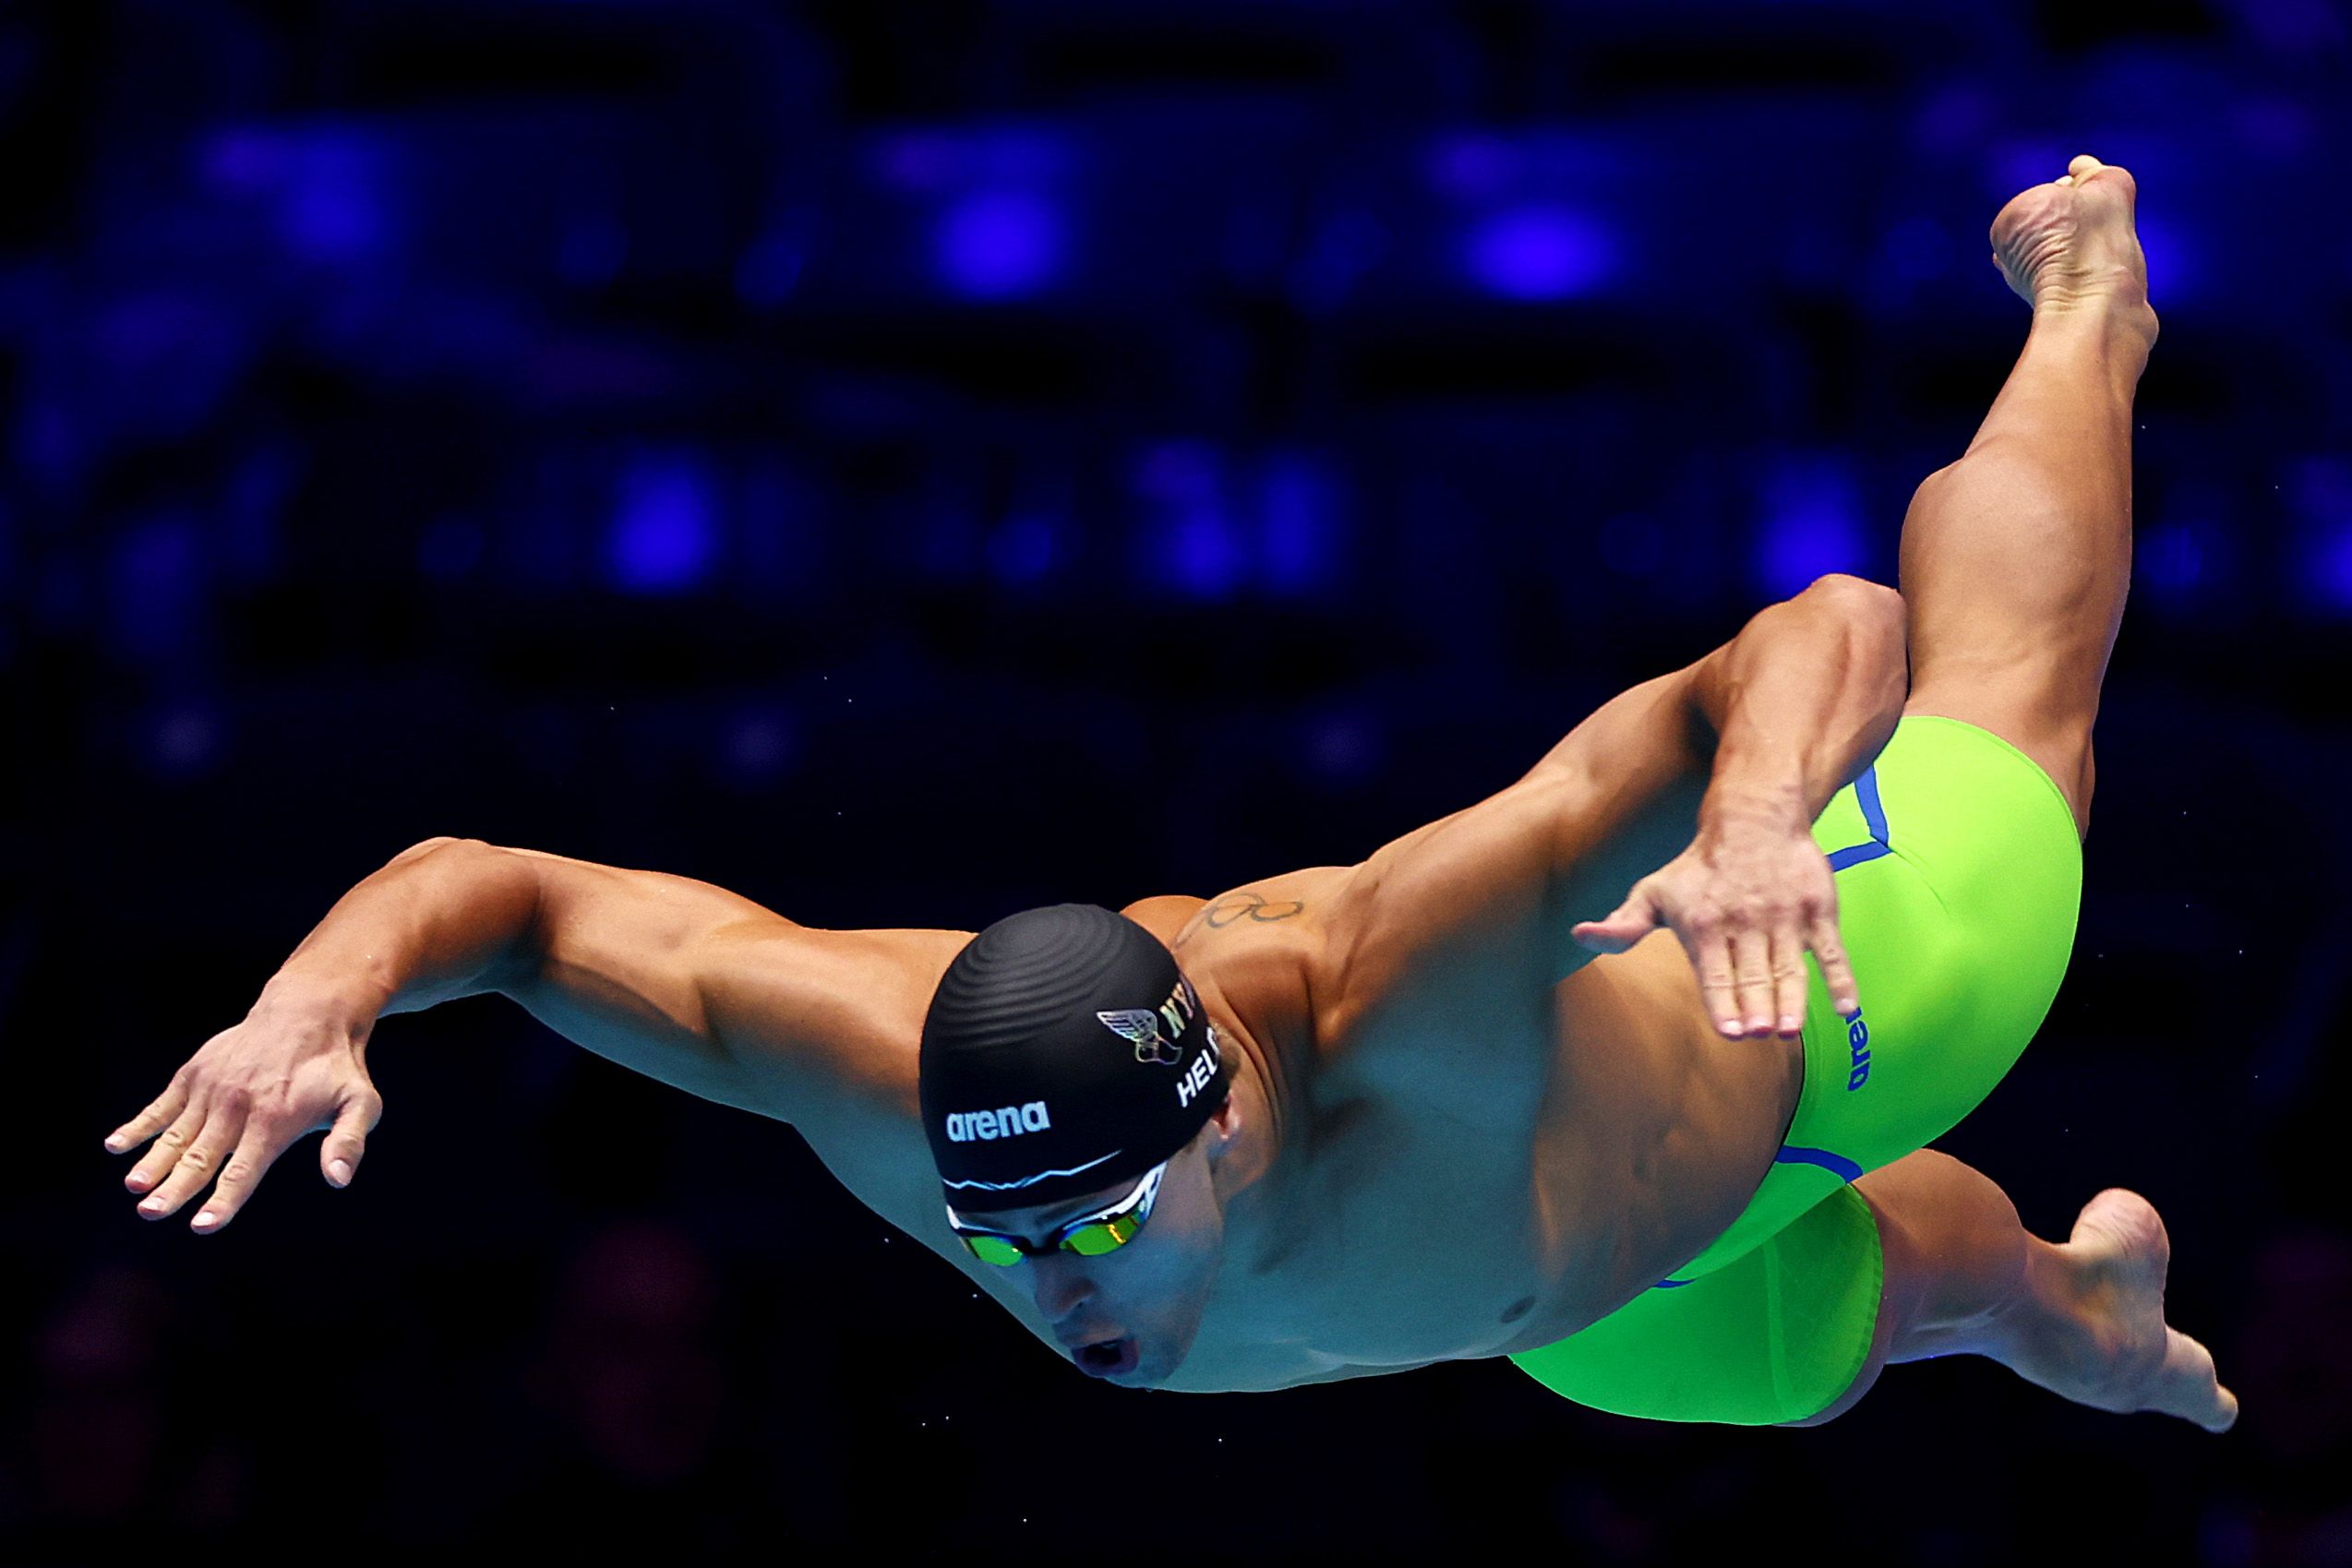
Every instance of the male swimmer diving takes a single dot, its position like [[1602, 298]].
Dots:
[[1466, 1099]]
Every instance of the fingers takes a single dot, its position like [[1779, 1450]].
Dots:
[[223, 1125], [1615, 934], [1710, 954], [1632, 920], [1752, 976], [1753, 980], [1788, 984], [153, 1119], [256, 1152], [1599, 937], [1835, 971], [169, 1144], [347, 1140]]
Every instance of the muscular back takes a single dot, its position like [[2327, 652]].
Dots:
[[715, 993]]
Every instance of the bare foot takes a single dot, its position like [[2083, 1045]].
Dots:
[[2110, 1348], [2069, 246]]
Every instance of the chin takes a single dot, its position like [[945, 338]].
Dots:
[[1154, 1373]]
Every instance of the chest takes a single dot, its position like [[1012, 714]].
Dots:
[[1520, 1189], [1410, 1238]]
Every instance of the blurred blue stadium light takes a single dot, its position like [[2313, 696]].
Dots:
[[1002, 244], [1299, 510], [2171, 560], [662, 537], [997, 202], [1021, 551], [328, 184], [1192, 542], [1540, 251], [159, 590]]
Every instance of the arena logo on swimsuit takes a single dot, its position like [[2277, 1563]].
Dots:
[[1857, 1037]]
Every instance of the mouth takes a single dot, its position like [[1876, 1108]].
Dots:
[[1107, 1358]]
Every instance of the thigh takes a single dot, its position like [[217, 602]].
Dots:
[[2011, 708], [1959, 913], [1901, 1276], [1771, 1338]]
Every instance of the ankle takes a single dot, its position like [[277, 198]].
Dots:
[[2049, 1318], [2118, 317]]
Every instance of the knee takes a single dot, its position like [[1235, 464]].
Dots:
[[1929, 488]]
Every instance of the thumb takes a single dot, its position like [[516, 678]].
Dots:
[[1632, 920], [347, 1139]]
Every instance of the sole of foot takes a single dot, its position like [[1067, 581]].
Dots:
[[2124, 1253], [2071, 245]]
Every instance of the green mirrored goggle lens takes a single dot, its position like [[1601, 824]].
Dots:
[[991, 1250], [1103, 1236], [1089, 1240]]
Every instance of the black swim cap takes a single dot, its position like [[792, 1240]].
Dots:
[[1063, 1052]]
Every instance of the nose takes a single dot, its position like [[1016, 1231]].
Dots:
[[1058, 1289]]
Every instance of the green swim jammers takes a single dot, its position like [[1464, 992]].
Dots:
[[1959, 880]]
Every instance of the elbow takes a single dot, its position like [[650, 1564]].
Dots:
[[1876, 611], [419, 851], [1879, 627], [1859, 596]]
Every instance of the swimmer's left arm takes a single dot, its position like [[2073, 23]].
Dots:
[[1476, 912], [1796, 706], [1802, 699]]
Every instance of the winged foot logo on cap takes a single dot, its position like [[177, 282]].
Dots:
[[1143, 1025]]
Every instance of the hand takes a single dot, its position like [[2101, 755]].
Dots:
[[293, 1066], [1747, 900]]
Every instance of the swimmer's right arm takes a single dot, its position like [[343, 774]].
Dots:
[[676, 978]]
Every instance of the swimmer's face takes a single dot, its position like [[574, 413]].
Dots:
[[1155, 1288]]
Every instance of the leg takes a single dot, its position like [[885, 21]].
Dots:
[[2016, 559], [2084, 1318]]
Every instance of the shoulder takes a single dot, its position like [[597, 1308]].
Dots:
[[1460, 905], [1164, 914], [1492, 892], [830, 1025]]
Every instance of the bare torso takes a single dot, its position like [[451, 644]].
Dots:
[[1420, 1215]]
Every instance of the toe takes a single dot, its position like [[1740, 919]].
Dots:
[[2087, 170], [2229, 1417], [2185, 1385]]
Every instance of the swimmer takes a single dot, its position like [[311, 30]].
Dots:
[[1624, 1072]]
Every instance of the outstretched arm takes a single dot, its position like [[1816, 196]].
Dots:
[[676, 978]]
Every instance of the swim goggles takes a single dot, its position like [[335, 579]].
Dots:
[[1089, 1236]]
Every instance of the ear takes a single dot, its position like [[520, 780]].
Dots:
[[1224, 1124]]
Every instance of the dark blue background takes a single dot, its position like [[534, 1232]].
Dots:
[[910, 462]]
